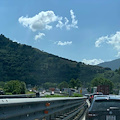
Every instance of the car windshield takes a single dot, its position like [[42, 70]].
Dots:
[[101, 105]]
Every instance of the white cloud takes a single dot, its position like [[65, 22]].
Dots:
[[66, 24], [74, 22], [63, 43], [43, 20], [113, 40], [40, 21], [60, 24], [92, 62], [101, 40], [39, 36]]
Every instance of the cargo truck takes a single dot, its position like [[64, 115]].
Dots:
[[104, 89]]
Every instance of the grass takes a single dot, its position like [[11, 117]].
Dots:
[[8, 93], [28, 92], [77, 95], [74, 95], [54, 96]]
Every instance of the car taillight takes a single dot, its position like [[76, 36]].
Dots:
[[92, 96]]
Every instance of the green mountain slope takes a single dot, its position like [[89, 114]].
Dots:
[[22, 62]]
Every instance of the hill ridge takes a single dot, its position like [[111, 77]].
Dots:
[[114, 64], [33, 66]]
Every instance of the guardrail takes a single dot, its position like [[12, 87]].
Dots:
[[69, 108]]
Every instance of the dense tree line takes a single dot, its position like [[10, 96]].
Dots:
[[73, 83], [13, 87], [102, 81]]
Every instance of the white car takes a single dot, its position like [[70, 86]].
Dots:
[[52, 93]]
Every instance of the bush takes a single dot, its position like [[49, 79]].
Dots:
[[15, 87], [54, 96]]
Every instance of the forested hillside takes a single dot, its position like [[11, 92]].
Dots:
[[25, 63]]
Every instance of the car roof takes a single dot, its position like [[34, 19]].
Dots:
[[97, 93], [107, 97]]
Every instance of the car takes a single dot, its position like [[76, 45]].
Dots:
[[91, 96], [43, 91], [104, 107], [2, 92], [52, 93], [87, 95]]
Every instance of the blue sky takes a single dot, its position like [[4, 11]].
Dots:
[[81, 30]]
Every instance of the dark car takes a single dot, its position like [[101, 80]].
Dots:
[[2, 92], [91, 96], [104, 108]]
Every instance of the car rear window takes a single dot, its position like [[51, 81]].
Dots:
[[98, 94], [100, 105]]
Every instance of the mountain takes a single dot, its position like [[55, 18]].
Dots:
[[33, 66], [115, 64]]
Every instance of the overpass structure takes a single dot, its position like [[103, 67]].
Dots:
[[66, 108]]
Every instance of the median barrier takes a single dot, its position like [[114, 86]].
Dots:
[[66, 108]]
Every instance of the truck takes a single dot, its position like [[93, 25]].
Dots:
[[104, 89]]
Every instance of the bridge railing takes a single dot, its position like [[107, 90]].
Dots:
[[67, 108]]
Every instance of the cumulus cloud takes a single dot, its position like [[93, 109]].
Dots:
[[66, 24], [43, 20], [101, 40], [113, 40], [60, 24], [40, 21], [92, 62], [63, 43], [39, 36]]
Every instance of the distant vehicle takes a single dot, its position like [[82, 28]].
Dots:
[[87, 95], [52, 93], [91, 96], [37, 94], [104, 108], [2, 92], [104, 89], [43, 91]]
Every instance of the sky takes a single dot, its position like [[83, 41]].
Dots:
[[81, 30]]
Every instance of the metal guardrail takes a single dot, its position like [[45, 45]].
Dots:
[[69, 108]]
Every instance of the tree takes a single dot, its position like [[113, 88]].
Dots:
[[23, 87], [118, 71], [102, 81], [2, 84], [15, 87], [78, 83], [75, 83], [72, 83], [63, 84], [47, 85]]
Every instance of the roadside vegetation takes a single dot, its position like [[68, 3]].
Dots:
[[77, 95], [13, 87], [47, 96]]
